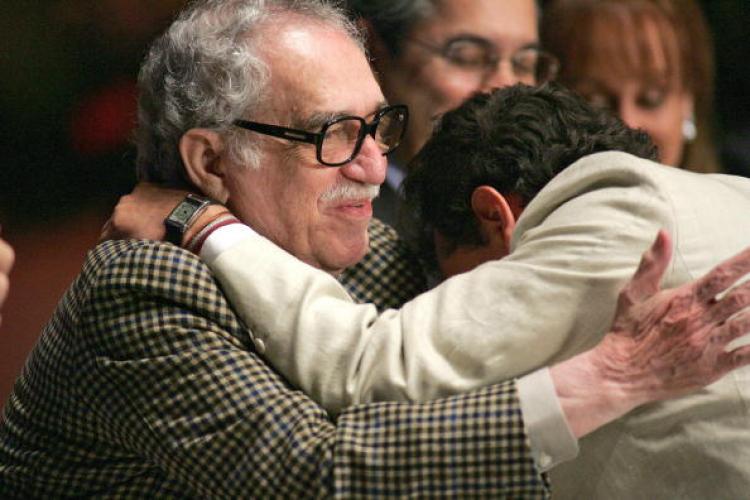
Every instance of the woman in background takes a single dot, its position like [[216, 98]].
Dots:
[[649, 61]]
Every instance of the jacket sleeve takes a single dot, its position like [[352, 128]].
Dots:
[[172, 377], [554, 296]]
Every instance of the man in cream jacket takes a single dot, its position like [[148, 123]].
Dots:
[[557, 189]]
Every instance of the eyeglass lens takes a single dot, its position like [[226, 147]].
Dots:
[[342, 138], [527, 63]]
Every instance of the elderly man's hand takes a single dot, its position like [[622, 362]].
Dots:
[[6, 262], [663, 343]]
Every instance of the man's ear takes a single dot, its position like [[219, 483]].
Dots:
[[201, 151], [495, 217]]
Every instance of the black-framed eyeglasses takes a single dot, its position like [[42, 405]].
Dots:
[[341, 138], [478, 54]]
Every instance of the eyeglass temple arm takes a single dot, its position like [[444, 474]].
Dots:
[[279, 131]]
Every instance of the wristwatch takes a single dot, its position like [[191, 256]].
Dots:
[[183, 216]]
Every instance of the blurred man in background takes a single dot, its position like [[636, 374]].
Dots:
[[433, 54]]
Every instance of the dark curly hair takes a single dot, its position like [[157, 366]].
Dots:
[[516, 140]]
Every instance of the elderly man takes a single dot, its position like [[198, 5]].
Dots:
[[146, 384], [433, 54], [583, 227]]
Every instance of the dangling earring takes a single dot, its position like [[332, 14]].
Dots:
[[689, 130]]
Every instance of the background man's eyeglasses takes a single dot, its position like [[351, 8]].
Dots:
[[341, 138], [481, 55]]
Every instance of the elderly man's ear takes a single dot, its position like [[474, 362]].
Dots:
[[202, 154], [495, 216]]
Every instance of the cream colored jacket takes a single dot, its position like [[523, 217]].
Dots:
[[575, 245]]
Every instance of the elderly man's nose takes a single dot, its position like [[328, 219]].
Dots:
[[369, 166]]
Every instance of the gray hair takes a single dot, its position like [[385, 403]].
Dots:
[[206, 72]]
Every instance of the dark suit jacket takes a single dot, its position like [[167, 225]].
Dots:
[[145, 384], [387, 205]]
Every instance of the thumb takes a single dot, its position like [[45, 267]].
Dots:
[[647, 278]]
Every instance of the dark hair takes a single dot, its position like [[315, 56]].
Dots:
[[616, 36], [516, 140], [392, 20]]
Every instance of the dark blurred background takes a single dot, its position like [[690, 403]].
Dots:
[[67, 107], [729, 21]]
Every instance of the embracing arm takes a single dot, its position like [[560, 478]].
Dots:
[[661, 344], [364, 350], [172, 377], [556, 292]]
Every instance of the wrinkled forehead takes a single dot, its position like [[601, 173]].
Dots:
[[623, 42], [315, 67]]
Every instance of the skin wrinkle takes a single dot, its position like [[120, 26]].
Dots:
[[735, 297], [709, 287], [645, 318], [670, 315], [284, 199]]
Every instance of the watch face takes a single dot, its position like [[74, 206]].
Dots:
[[182, 213]]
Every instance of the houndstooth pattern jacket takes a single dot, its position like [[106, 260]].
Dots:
[[145, 384]]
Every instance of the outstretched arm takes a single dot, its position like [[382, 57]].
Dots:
[[662, 344], [311, 301]]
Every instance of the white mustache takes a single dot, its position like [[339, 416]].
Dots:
[[351, 191]]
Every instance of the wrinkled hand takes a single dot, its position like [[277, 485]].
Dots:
[[662, 344], [141, 214], [6, 262], [666, 343]]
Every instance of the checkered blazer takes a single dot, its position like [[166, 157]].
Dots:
[[145, 384]]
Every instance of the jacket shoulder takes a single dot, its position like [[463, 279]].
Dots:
[[130, 271]]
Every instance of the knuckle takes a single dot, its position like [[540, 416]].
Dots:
[[626, 296], [647, 260], [699, 345], [731, 304], [711, 284], [735, 300], [678, 315], [670, 325], [681, 303], [718, 338], [738, 325]]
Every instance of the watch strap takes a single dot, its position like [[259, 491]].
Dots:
[[184, 215]]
